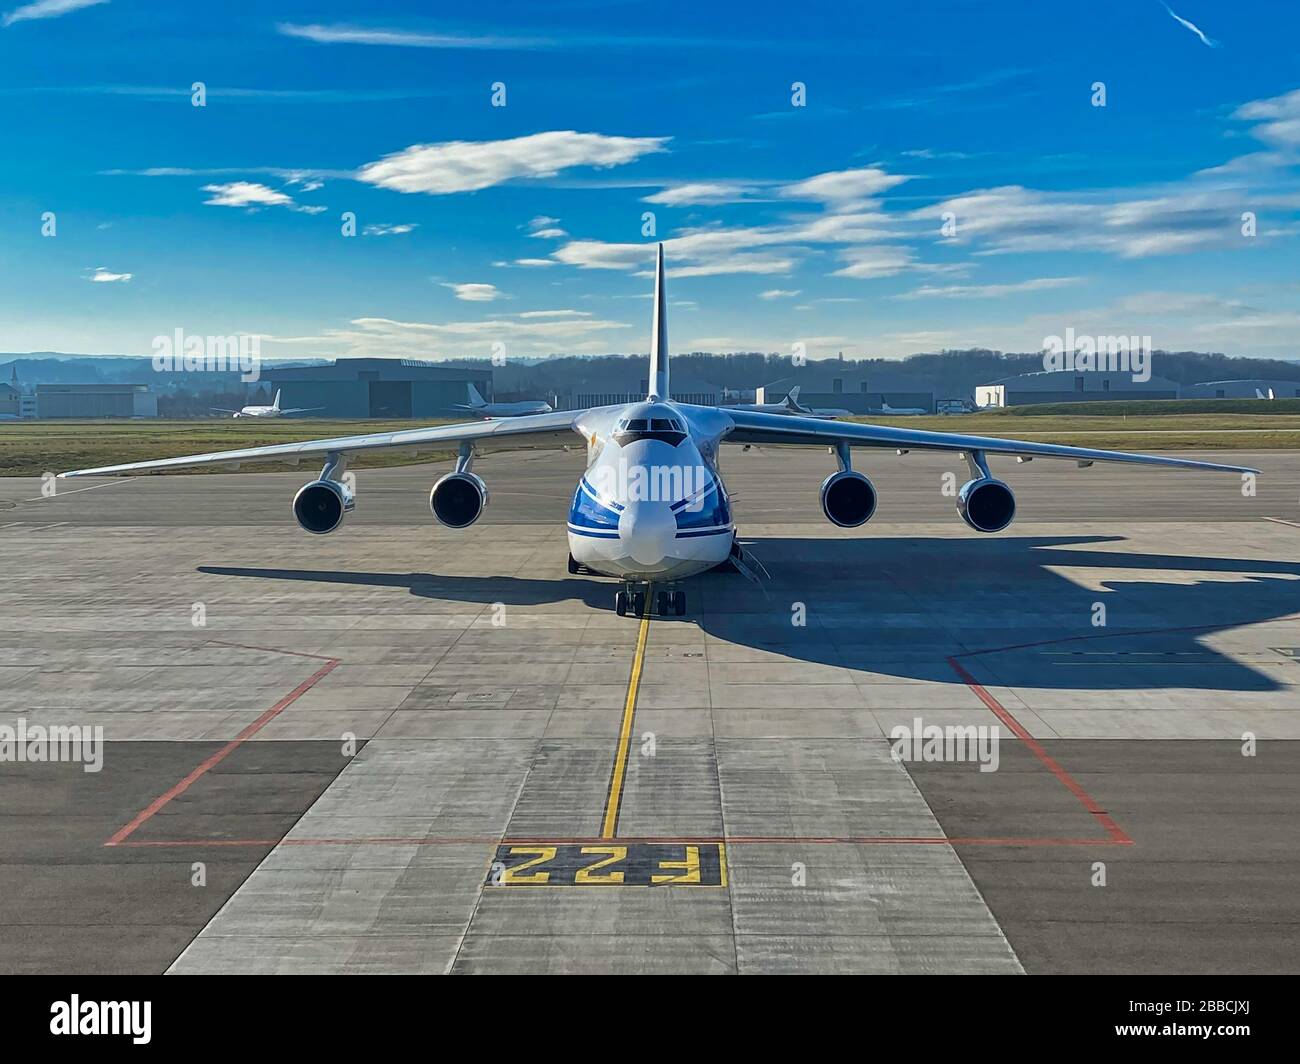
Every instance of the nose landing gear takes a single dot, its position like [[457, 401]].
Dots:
[[670, 602]]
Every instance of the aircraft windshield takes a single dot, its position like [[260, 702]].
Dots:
[[670, 430]]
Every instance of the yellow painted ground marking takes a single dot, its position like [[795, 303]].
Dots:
[[625, 733]]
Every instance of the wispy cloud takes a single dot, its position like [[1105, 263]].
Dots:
[[47, 9], [988, 291], [103, 275], [253, 196], [1191, 26], [778, 293], [342, 34], [474, 293], [228, 92], [701, 194], [536, 334], [1279, 119], [866, 263], [467, 166], [389, 229], [841, 187]]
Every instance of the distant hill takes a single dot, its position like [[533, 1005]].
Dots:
[[947, 373]]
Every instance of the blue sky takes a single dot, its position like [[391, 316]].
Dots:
[[523, 225]]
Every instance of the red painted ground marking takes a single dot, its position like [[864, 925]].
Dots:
[[1116, 835], [739, 840], [122, 834]]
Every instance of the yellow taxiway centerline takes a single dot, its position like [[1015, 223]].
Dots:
[[610, 824]]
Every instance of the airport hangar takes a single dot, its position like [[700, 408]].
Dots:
[[830, 385], [1242, 389], [1070, 386], [378, 388]]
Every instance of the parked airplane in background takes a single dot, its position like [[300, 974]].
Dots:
[[268, 411], [1260, 395], [789, 405], [651, 508], [483, 408], [885, 408]]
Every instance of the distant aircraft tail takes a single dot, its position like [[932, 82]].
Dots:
[[276, 405], [659, 340], [475, 400], [792, 398]]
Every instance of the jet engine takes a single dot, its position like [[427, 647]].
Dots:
[[848, 499], [987, 505], [458, 499], [319, 507]]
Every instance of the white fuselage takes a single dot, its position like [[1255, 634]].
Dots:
[[651, 505], [523, 409], [259, 411]]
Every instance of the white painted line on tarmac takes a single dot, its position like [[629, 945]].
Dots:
[[60, 494]]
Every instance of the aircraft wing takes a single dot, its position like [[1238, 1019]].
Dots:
[[555, 429], [753, 427], [302, 409], [223, 410]]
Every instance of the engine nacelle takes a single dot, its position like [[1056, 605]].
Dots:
[[848, 499], [319, 507], [458, 499], [987, 505]]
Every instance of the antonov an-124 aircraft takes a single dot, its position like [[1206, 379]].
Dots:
[[651, 509]]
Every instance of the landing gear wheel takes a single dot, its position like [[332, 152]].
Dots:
[[638, 603], [574, 567], [620, 603], [662, 603]]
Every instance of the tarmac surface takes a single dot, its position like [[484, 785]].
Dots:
[[401, 748]]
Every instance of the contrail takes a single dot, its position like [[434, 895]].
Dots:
[[1191, 26]]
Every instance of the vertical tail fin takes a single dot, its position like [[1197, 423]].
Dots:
[[659, 340], [276, 404], [474, 398]]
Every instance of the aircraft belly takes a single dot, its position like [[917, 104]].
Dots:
[[686, 557]]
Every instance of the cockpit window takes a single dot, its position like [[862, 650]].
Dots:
[[668, 429]]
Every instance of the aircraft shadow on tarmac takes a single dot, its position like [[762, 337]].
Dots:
[[902, 606]]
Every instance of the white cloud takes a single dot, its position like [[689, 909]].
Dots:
[[778, 293], [245, 194], [387, 338], [1181, 218], [47, 9], [549, 234], [339, 34], [697, 253], [254, 196], [1191, 26], [839, 187], [701, 193], [988, 291], [475, 293], [534, 262], [467, 166], [103, 275], [871, 262], [847, 218], [1280, 118], [389, 229]]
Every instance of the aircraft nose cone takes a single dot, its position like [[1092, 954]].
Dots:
[[647, 530]]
